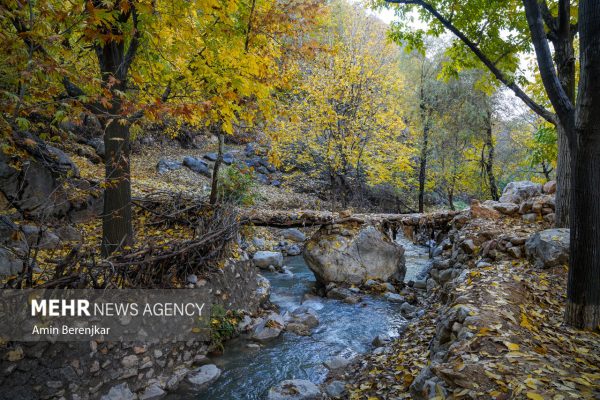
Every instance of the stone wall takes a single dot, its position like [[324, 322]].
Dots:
[[92, 370]]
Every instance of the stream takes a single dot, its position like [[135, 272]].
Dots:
[[249, 373]]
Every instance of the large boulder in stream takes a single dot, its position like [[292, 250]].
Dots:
[[264, 259], [354, 253]]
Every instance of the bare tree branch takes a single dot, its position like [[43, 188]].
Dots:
[[535, 107], [556, 93]]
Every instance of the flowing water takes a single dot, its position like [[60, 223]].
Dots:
[[249, 373]]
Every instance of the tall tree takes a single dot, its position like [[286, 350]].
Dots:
[[494, 34], [114, 60], [343, 118], [487, 160], [578, 122], [425, 111]]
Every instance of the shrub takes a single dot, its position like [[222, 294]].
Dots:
[[236, 186]]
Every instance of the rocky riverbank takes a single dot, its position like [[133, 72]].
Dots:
[[492, 327]]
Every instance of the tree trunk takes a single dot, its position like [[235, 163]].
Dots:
[[451, 199], [214, 190], [563, 179], [423, 166], [489, 164], [116, 221], [564, 58], [583, 293], [114, 63]]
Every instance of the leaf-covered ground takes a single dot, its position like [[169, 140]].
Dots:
[[146, 179], [520, 347]]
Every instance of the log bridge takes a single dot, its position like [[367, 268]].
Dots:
[[417, 227]]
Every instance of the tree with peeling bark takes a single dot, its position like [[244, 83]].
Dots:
[[493, 34]]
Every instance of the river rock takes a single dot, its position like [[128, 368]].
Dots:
[[268, 328], [152, 392], [393, 297], [263, 289], [506, 208], [175, 379], [250, 149], [298, 329], [389, 287], [293, 234], [341, 360], [293, 250], [336, 389], [530, 217], [477, 210], [361, 253], [68, 233], [39, 237], [420, 283], [548, 248], [165, 165], [259, 243], [337, 362], [312, 301], [204, 376], [119, 392], [294, 389], [370, 283], [407, 310], [262, 178], [517, 192], [211, 156], [245, 323], [197, 165], [228, 158], [10, 264], [468, 246], [550, 187], [339, 293], [262, 259], [303, 315], [381, 340]]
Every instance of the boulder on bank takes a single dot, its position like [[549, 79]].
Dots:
[[506, 208], [550, 187], [477, 210], [352, 254], [10, 263], [263, 259], [294, 389], [341, 360], [548, 248], [197, 165], [164, 165], [517, 192]]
